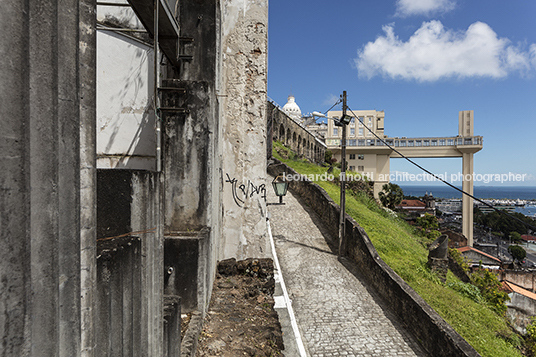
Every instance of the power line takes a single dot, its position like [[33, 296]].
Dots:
[[337, 102], [440, 179]]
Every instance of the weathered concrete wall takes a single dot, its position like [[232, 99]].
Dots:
[[520, 311], [525, 279], [41, 113], [188, 255], [522, 303], [125, 111], [294, 136], [130, 275], [435, 335], [191, 149], [244, 46]]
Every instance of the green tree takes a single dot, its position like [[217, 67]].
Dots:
[[516, 237], [429, 225], [328, 155], [517, 252], [499, 222], [391, 195]]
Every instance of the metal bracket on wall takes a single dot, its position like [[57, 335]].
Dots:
[[185, 57], [176, 110], [172, 89]]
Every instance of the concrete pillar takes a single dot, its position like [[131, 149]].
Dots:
[[244, 79], [382, 173], [467, 202], [41, 116], [44, 112], [88, 175], [14, 180]]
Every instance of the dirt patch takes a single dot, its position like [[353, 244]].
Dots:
[[185, 322], [241, 320]]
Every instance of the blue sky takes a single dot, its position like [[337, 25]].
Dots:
[[422, 61]]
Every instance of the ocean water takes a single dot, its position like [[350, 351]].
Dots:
[[498, 192], [483, 192]]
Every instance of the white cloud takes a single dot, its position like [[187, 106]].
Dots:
[[434, 52], [331, 99], [532, 51], [406, 8]]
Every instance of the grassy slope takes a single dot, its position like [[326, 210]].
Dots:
[[406, 255]]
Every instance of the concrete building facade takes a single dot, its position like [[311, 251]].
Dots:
[[115, 186], [369, 156]]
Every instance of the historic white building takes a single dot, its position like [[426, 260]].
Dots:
[[292, 109]]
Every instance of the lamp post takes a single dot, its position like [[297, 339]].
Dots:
[[345, 120], [280, 185], [342, 221]]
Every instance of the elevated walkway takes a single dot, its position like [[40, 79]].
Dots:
[[336, 312], [427, 147]]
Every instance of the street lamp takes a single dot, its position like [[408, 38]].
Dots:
[[280, 185], [343, 121]]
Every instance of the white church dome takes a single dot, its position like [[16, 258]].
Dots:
[[292, 109]]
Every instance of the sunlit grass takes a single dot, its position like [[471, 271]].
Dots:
[[405, 253]]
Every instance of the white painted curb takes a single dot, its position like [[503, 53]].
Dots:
[[279, 278]]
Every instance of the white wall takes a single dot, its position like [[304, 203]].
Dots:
[[125, 118]]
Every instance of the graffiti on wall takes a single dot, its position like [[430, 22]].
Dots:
[[244, 191]]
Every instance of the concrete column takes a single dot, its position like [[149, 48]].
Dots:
[[40, 114], [467, 202], [88, 175], [382, 173], [14, 180], [244, 78]]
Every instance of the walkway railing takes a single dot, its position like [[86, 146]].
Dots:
[[411, 142]]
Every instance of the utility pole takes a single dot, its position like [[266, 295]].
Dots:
[[342, 178]]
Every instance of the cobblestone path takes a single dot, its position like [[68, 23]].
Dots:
[[336, 314]]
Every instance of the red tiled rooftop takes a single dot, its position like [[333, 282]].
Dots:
[[520, 290], [412, 204], [527, 237]]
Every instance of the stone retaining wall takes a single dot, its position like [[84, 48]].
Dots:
[[436, 336]]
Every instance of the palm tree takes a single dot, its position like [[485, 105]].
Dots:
[[391, 195]]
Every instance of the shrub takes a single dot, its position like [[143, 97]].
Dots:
[[467, 290], [459, 258], [490, 288]]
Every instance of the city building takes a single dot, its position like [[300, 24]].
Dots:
[[320, 130], [412, 206], [507, 208], [451, 206], [477, 257], [367, 152]]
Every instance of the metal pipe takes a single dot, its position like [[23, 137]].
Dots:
[[119, 29]]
